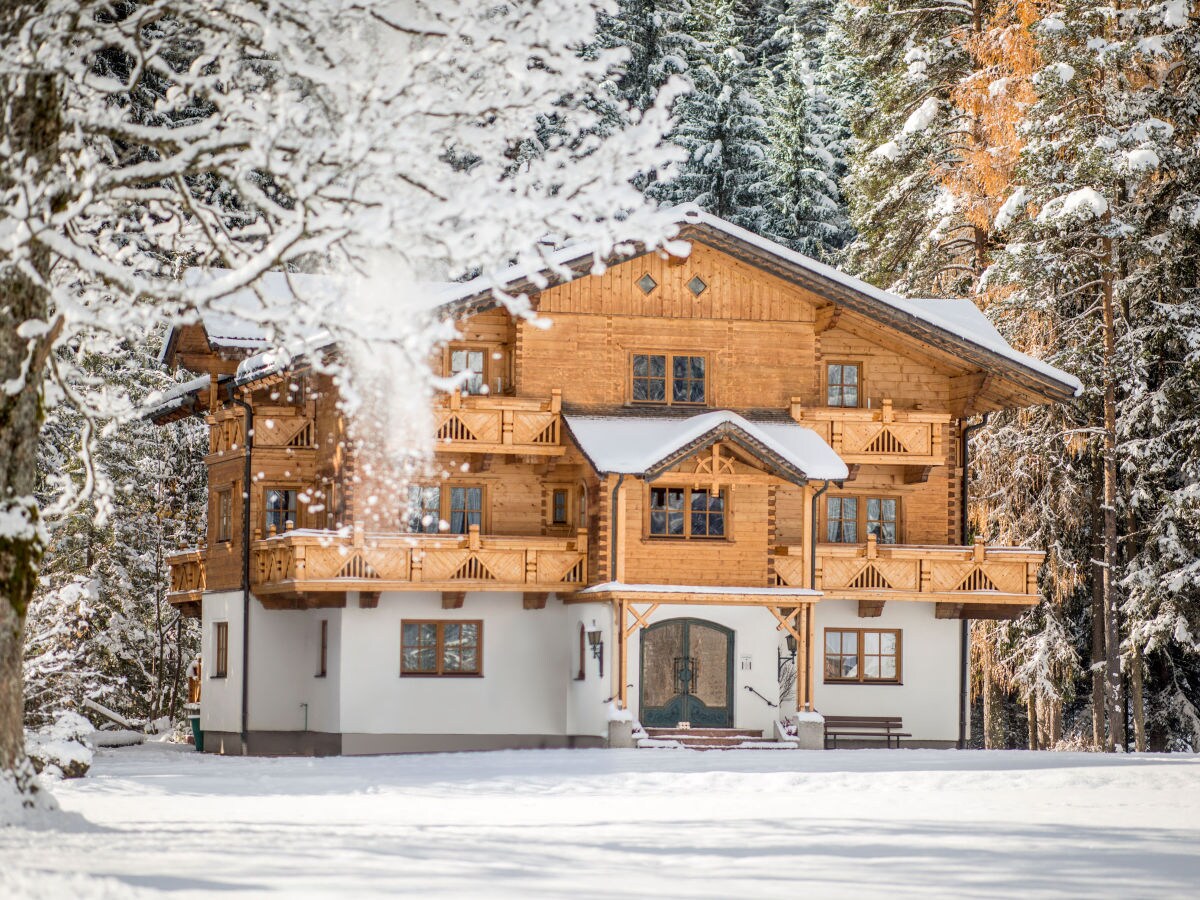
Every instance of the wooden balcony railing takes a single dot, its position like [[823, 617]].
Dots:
[[286, 427], [992, 576], [316, 561], [881, 436], [188, 579], [482, 423]]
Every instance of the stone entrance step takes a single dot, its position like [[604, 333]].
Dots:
[[709, 739]]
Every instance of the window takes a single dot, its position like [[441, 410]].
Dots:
[[687, 513], [424, 510], [441, 648], [841, 384], [670, 379], [559, 500], [323, 654], [846, 518], [841, 520], [859, 655], [225, 515], [466, 509], [221, 649], [471, 362], [881, 519], [280, 508]]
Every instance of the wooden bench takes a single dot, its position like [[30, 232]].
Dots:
[[870, 727]]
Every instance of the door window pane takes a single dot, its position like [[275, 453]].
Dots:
[[708, 514], [466, 508], [470, 362], [687, 383], [842, 383], [841, 520], [649, 378], [280, 508], [424, 510], [881, 520]]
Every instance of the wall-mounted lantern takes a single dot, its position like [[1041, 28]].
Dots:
[[791, 654], [596, 642]]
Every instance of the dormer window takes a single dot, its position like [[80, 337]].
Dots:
[[669, 379]]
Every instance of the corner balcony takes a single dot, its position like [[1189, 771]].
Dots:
[[188, 580], [319, 566], [489, 423], [977, 582], [883, 436]]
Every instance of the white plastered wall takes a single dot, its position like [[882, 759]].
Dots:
[[527, 665], [587, 698], [756, 641], [284, 655], [928, 696]]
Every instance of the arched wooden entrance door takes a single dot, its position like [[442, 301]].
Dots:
[[687, 674]]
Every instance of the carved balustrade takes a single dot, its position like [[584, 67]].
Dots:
[[878, 436], [316, 561], [482, 423]]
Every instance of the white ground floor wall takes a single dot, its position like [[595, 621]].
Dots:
[[530, 692]]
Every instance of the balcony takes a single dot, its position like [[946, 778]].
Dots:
[[483, 423], [279, 427], [964, 582], [188, 580], [883, 436], [323, 562]]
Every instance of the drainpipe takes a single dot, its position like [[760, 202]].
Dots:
[[812, 572], [964, 640], [246, 475], [612, 544]]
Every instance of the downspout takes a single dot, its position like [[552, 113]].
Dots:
[[812, 570], [246, 475], [964, 639], [612, 546]]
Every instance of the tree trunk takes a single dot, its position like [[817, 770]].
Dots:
[[1031, 706], [30, 107], [993, 706], [1054, 727], [1114, 693], [1139, 707], [1099, 735]]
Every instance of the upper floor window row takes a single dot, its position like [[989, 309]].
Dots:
[[842, 384], [669, 378]]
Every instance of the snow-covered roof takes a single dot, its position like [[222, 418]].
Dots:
[[620, 586], [159, 403], [635, 444]]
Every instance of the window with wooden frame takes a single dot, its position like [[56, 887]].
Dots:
[[220, 667], [323, 650], [560, 508], [279, 508], [484, 367], [669, 378], [843, 384], [446, 508], [441, 648], [687, 513], [225, 515], [846, 518], [862, 655]]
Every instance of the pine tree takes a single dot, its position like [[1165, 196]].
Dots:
[[720, 126], [654, 34], [806, 153]]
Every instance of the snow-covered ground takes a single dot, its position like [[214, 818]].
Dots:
[[165, 821]]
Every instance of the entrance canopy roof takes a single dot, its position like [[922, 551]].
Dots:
[[647, 446]]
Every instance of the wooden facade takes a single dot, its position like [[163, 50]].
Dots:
[[549, 521]]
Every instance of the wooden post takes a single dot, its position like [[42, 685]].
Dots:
[[802, 652], [623, 657], [619, 549], [806, 537], [808, 642]]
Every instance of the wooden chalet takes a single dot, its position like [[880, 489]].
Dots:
[[708, 468]]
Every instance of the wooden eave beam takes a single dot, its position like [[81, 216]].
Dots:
[[453, 599]]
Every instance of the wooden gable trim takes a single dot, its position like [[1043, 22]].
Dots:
[[727, 431]]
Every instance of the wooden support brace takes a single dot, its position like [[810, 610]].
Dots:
[[368, 599], [870, 609], [948, 610], [917, 474], [453, 599], [532, 600]]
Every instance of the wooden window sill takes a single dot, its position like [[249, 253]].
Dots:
[[865, 683], [654, 539], [441, 674]]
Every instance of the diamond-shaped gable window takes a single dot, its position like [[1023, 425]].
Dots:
[[697, 285], [646, 283]]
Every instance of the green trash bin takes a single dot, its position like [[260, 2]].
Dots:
[[197, 734]]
